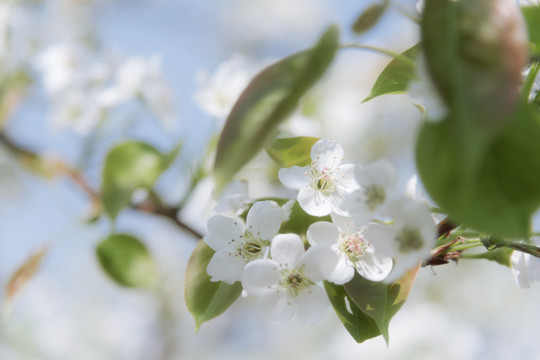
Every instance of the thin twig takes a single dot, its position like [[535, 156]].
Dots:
[[153, 205]]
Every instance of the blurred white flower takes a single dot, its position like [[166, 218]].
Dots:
[[286, 284], [525, 267], [61, 65], [355, 253], [424, 92], [76, 111], [16, 35], [236, 244], [290, 22], [141, 78], [407, 239], [217, 93], [377, 182], [420, 6], [234, 198], [324, 185]]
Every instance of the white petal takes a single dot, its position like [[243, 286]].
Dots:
[[401, 266], [373, 268], [259, 275], [286, 249], [382, 173], [327, 154], [319, 262], [355, 205], [382, 237], [347, 181], [311, 305], [519, 269], [345, 224], [225, 266], [264, 219], [295, 177], [322, 233], [222, 230], [343, 272], [275, 306], [313, 202]]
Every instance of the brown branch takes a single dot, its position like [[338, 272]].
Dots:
[[151, 205]]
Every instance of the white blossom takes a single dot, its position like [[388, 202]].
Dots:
[[377, 182], [236, 244], [355, 253], [525, 267], [324, 184], [235, 198], [286, 284], [141, 78], [218, 92], [408, 238]]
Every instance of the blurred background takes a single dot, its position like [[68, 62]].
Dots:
[[78, 76]]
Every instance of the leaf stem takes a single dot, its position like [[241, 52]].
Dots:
[[153, 205], [494, 243], [380, 51]]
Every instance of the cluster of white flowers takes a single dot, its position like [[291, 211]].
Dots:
[[375, 232], [78, 84]]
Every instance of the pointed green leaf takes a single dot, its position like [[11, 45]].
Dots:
[[206, 299], [129, 166], [126, 260], [532, 17], [361, 326], [287, 152], [379, 300], [267, 101], [396, 76], [370, 17]]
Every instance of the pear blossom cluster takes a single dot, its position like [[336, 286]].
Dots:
[[77, 82], [374, 232]]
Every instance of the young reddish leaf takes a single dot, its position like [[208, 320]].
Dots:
[[24, 273]]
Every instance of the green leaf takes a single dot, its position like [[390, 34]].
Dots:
[[501, 256], [370, 17], [379, 300], [477, 74], [206, 299], [502, 194], [287, 152], [126, 260], [361, 326], [396, 76], [267, 101], [129, 166], [532, 17]]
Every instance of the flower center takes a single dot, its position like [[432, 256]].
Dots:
[[375, 196], [354, 246], [409, 240], [323, 180], [252, 247], [294, 280]]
